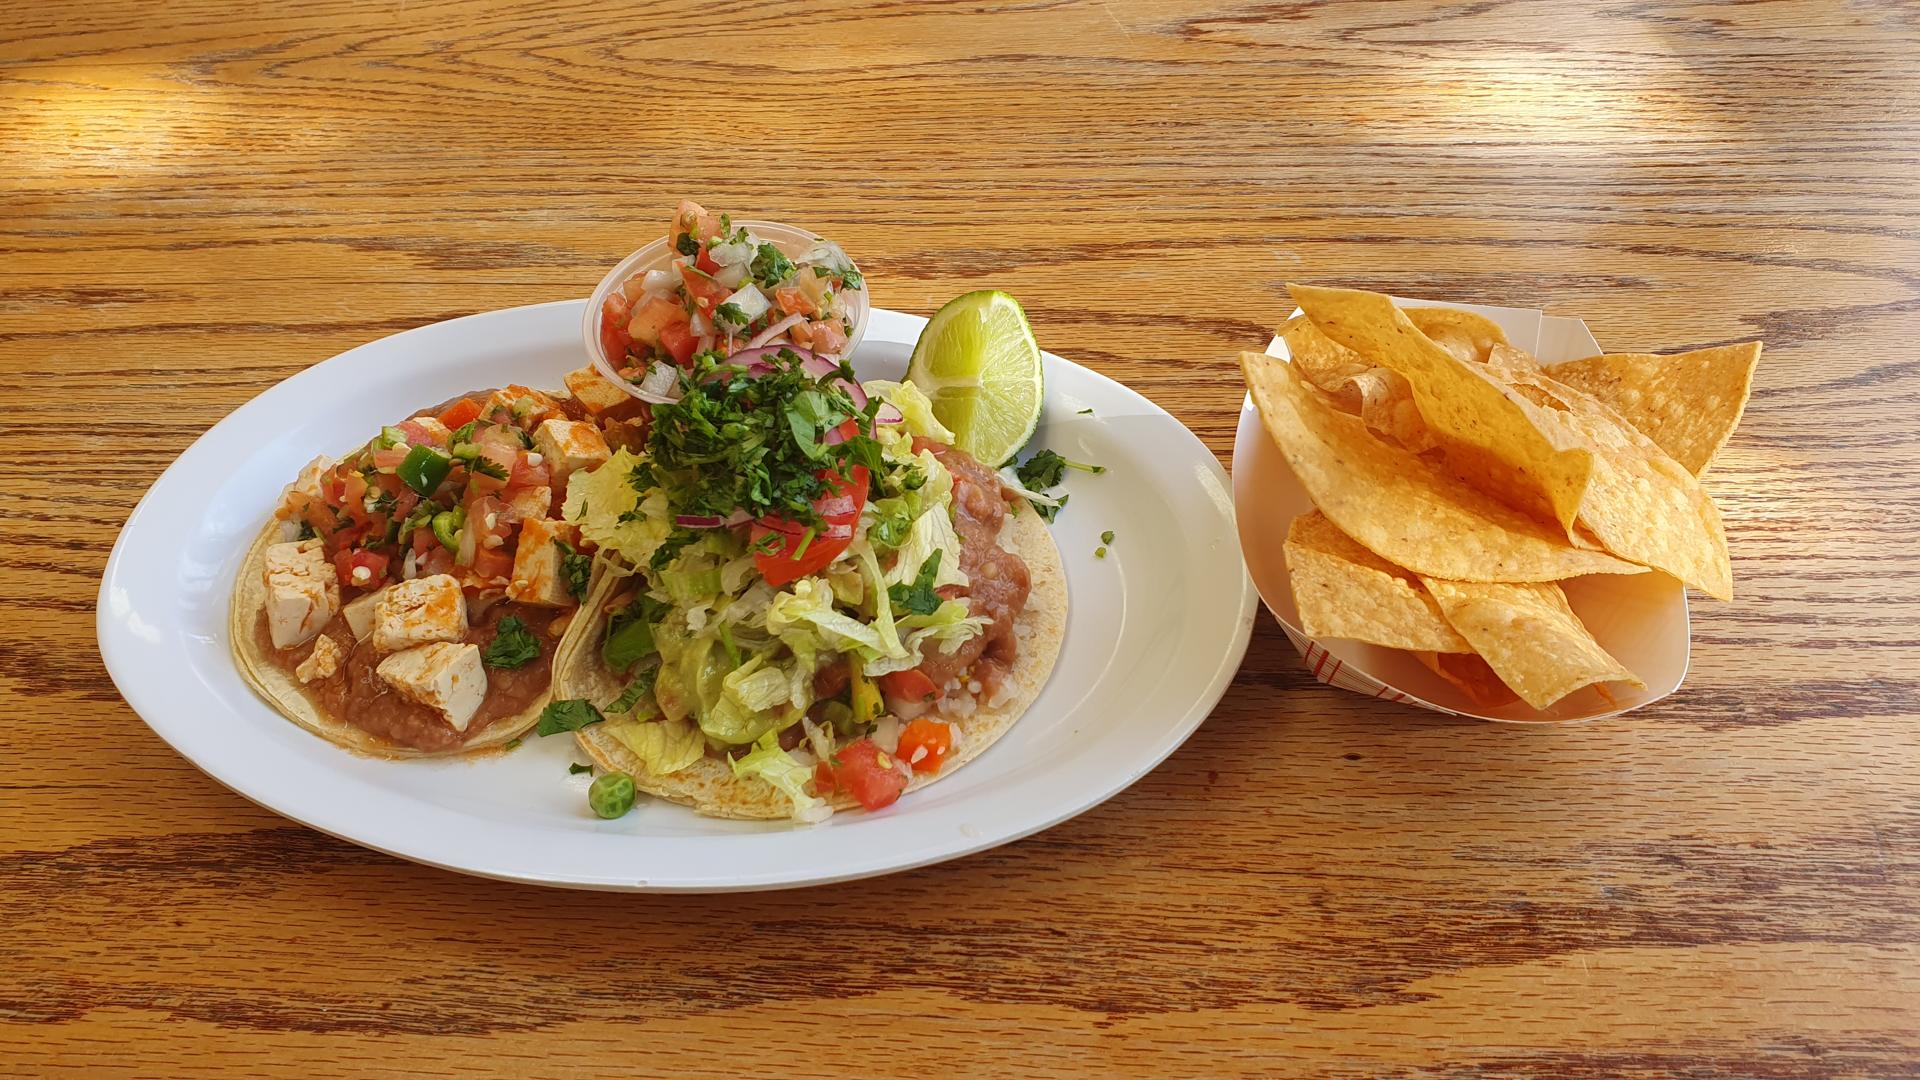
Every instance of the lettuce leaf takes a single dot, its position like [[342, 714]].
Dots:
[[914, 405], [778, 768], [615, 516], [663, 746], [952, 623], [931, 532], [808, 605]]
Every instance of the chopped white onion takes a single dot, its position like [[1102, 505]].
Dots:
[[700, 325], [658, 282], [732, 253], [751, 302], [886, 733], [731, 276], [659, 380], [775, 330]]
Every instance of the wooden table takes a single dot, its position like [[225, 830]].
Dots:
[[198, 202]]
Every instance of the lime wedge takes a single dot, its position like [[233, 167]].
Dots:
[[979, 363]]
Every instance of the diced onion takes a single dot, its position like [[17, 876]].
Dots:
[[659, 380], [732, 253], [886, 733], [700, 325], [658, 282], [731, 276]]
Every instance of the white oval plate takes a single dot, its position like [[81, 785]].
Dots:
[[1155, 632]]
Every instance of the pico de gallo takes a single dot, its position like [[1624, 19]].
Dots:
[[725, 290], [444, 492]]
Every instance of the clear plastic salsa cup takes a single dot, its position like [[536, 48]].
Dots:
[[658, 255]]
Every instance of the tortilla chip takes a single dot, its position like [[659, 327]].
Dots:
[[1318, 358], [1687, 403], [1345, 591], [1494, 440], [1469, 673], [1529, 636], [1463, 333], [1642, 505], [1400, 506]]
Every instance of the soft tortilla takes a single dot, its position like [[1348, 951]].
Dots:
[[285, 693], [709, 786]]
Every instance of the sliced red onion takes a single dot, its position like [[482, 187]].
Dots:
[[710, 521], [775, 330], [754, 360]]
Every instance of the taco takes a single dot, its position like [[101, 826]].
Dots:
[[409, 599], [807, 598]]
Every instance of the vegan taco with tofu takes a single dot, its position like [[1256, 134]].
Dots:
[[806, 597], [409, 599]]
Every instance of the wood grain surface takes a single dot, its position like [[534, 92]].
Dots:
[[200, 198]]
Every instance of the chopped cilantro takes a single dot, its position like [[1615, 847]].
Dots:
[[630, 633], [685, 244], [513, 645], [514, 743], [852, 279], [575, 768], [306, 530], [488, 467], [637, 689], [575, 567], [1046, 469], [771, 266], [570, 714], [1048, 513], [919, 598], [1086, 412], [665, 554], [463, 433], [730, 314], [740, 441]]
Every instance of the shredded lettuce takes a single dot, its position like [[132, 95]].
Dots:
[[890, 644], [778, 768], [809, 605], [663, 746], [613, 515], [755, 686], [950, 624], [931, 532], [914, 405]]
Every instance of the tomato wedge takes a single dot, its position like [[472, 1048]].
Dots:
[[866, 772], [911, 685], [351, 564], [680, 342], [796, 555]]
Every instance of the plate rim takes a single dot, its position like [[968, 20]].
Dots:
[[1173, 734]]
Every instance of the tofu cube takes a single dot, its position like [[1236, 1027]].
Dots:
[[409, 613], [359, 613], [525, 404], [294, 496], [303, 591], [567, 446], [531, 502], [537, 575], [442, 676], [594, 390], [322, 662]]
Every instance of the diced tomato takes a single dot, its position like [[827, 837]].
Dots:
[[828, 337], [525, 475], [350, 562], [420, 434], [707, 294], [437, 561], [679, 341], [614, 337], [866, 772], [801, 335], [353, 497], [479, 483], [911, 685], [792, 301], [658, 314], [705, 261], [460, 414], [924, 743], [839, 511], [492, 563], [424, 540], [389, 459], [822, 778], [320, 517]]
